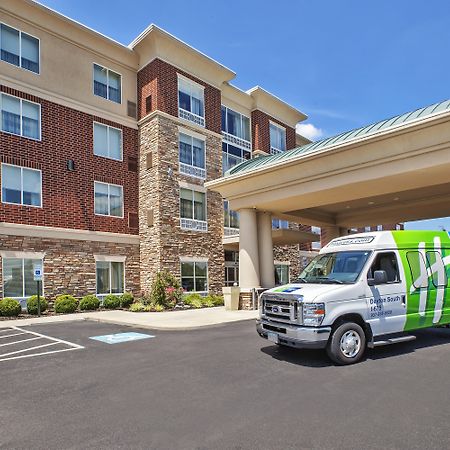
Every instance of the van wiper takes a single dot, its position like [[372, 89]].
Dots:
[[301, 280], [330, 280]]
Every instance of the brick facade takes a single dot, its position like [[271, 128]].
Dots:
[[68, 197]]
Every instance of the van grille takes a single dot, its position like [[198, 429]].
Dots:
[[281, 309]]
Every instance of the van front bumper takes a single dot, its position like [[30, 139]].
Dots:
[[294, 336]]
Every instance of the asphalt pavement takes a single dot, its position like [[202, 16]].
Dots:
[[220, 388]]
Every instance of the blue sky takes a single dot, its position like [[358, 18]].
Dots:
[[343, 63]]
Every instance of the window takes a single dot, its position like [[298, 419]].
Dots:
[[387, 262], [110, 277], [19, 48], [107, 84], [192, 156], [193, 210], [281, 274], [437, 269], [231, 268], [230, 220], [21, 186], [236, 127], [232, 155], [108, 199], [107, 141], [316, 245], [20, 117], [191, 101], [194, 276], [18, 277], [277, 139], [278, 224]]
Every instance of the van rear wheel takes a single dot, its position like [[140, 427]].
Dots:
[[347, 344]]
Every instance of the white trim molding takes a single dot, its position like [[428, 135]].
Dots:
[[110, 258], [22, 255], [193, 259]]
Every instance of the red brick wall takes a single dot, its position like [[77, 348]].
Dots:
[[68, 197], [261, 132], [159, 79]]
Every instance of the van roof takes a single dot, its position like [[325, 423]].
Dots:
[[377, 240]]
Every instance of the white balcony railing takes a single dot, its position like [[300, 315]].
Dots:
[[187, 115], [227, 137], [192, 171], [275, 151], [228, 231], [193, 225]]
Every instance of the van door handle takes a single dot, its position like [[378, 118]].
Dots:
[[403, 299]]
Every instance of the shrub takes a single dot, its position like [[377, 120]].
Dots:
[[218, 300], [10, 307], [111, 301], [32, 304], [208, 301], [159, 308], [137, 307], [89, 303], [166, 290], [66, 304], [188, 299], [126, 299], [150, 307]]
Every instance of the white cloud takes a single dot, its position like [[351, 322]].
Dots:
[[309, 131]]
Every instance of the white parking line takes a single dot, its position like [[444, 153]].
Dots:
[[16, 354]]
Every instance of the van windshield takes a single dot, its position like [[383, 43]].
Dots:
[[338, 267]]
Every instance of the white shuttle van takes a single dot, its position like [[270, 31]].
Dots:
[[362, 290]]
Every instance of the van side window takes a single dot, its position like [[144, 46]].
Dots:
[[437, 269], [386, 261], [418, 269]]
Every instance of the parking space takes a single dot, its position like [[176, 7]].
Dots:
[[20, 343], [220, 388]]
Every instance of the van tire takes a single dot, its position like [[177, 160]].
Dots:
[[347, 344]]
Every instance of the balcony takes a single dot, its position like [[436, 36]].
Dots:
[[192, 171], [193, 225], [234, 140], [191, 117], [229, 231]]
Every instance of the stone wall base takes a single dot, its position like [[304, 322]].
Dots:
[[245, 300]]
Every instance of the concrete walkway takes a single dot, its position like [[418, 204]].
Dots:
[[170, 320]]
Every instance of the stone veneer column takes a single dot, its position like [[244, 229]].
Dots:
[[248, 249], [265, 247]]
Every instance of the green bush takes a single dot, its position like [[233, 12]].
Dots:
[[188, 299], [159, 308], [166, 290], [89, 303], [66, 304], [126, 299], [150, 307], [32, 305], [137, 307], [111, 301], [218, 300], [208, 301], [10, 307]]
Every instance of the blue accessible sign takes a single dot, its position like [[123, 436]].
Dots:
[[121, 337]]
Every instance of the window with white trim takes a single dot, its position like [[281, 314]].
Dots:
[[232, 155], [192, 156], [21, 185], [107, 141], [107, 84], [236, 127], [278, 224], [110, 276], [277, 139], [20, 117], [193, 210], [194, 276], [230, 219], [316, 245], [19, 48], [108, 199], [191, 101], [18, 277], [281, 274]]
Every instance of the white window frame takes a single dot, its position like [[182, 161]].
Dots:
[[109, 260], [283, 264], [227, 230], [231, 138], [188, 224], [195, 260], [23, 258], [20, 49], [107, 82], [109, 201], [275, 150], [21, 100], [188, 115], [108, 127], [190, 169], [21, 186]]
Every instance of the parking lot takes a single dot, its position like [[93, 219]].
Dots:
[[216, 388]]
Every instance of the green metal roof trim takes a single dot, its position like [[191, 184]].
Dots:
[[348, 136]]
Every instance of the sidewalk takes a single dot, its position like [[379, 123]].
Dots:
[[169, 320]]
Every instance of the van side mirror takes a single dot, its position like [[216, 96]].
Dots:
[[379, 277]]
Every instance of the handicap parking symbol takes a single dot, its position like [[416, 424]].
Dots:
[[121, 337]]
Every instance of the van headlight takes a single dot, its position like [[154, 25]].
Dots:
[[313, 314]]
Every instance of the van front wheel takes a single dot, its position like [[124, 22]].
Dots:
[[347, 344]]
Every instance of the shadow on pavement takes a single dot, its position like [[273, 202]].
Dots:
[[318, 358]]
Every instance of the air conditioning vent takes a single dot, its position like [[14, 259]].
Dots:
[[131, 109]]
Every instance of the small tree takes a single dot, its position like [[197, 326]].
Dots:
[[166, 289]]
